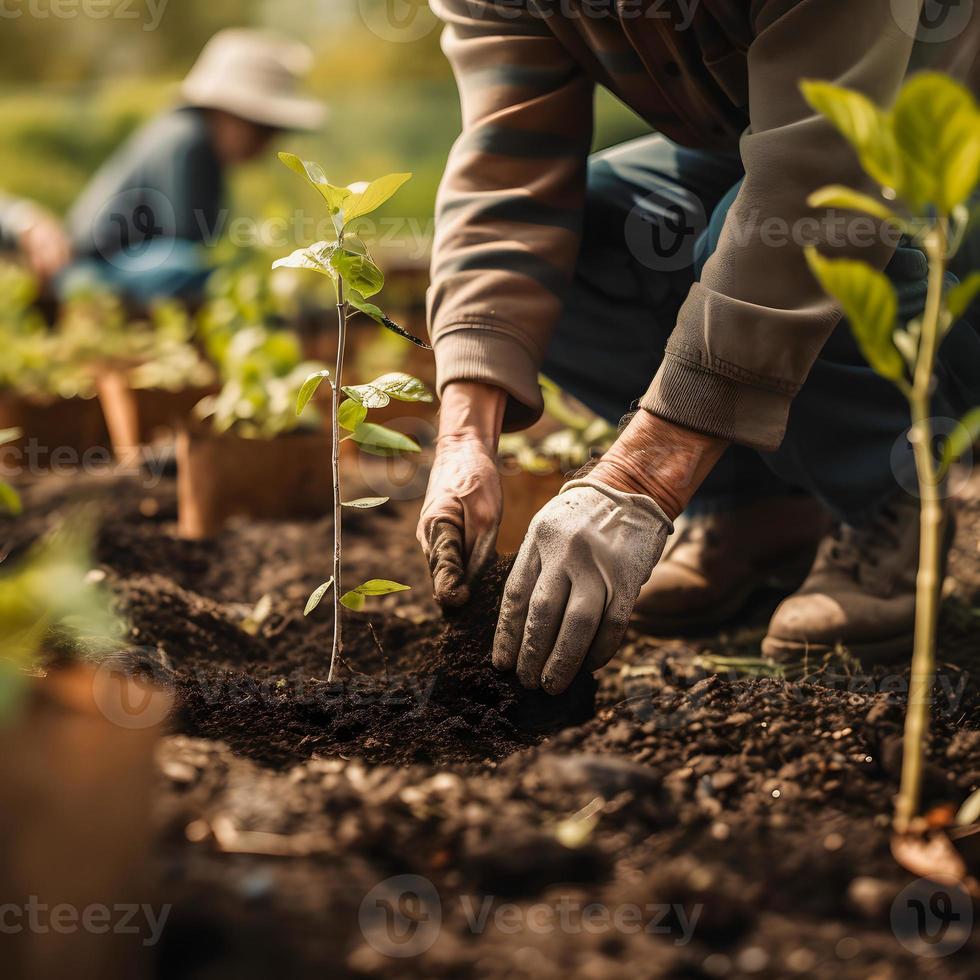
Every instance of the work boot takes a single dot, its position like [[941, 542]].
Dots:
[[714, 563], [860, 593]]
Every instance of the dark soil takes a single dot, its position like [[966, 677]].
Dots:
[[720, 822]]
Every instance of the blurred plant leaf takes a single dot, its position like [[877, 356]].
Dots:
[[10, 499], [865, 127], [869, 302], [961, 439], [937, 127], [843, 198], [961, 297]]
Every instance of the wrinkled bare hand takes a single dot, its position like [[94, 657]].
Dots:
[[461, 515], [44, 244]]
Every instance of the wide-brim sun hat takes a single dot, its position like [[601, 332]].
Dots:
[[254, 75]]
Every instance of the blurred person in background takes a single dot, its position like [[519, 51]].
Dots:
[[36, 235], [140, 225]]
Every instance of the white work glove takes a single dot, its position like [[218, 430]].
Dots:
[[570, 594]]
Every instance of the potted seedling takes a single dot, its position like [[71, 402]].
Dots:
[[46, 386], [151, 398], [346, 262], [533, 471], [247, 453], [77, 739], [924, 152]]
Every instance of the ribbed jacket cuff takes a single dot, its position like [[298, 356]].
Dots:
[[487, 355], [712, 403]]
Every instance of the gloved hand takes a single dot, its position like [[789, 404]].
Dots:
[[460, 516], [570, 594]]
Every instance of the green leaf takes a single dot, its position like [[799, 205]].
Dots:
[[961, 297], [367, 395], [350, 414], [10, 435], [381, 441], [335, 197], [314, 257], [379, 316], [309, 389], [865, 127], [961, 439], [10, 500], [937, 127], [869, 303], [316, 596], [837, 196], [402, 387], [373, 196], [375, 586], [352, 600], [365, 503], [358, 271]]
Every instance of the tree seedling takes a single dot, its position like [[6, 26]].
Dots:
[[356, 278], [924, 153]]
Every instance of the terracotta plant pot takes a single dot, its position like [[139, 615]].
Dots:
[[224, 476], [58, 432], [76, 770], [140, 416], [524, 495]]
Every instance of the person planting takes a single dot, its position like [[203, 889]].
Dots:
[[678, 258], [138, 226]]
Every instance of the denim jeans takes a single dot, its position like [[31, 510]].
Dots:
[[160, 269], [845, 440]]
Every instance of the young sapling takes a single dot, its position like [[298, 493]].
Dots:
[[924, 152], [356, 278]]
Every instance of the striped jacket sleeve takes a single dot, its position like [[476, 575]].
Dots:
[[510, 203]]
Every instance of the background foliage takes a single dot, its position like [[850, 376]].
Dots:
[[71, 89]]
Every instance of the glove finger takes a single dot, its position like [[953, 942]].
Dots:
[[445, 554], [612, 629], [513, 609], [545, 613], [578, 629]]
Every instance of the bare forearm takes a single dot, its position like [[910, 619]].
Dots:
[[660, 459], [470, 409]]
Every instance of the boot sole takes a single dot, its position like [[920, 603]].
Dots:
[[871, 653]]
